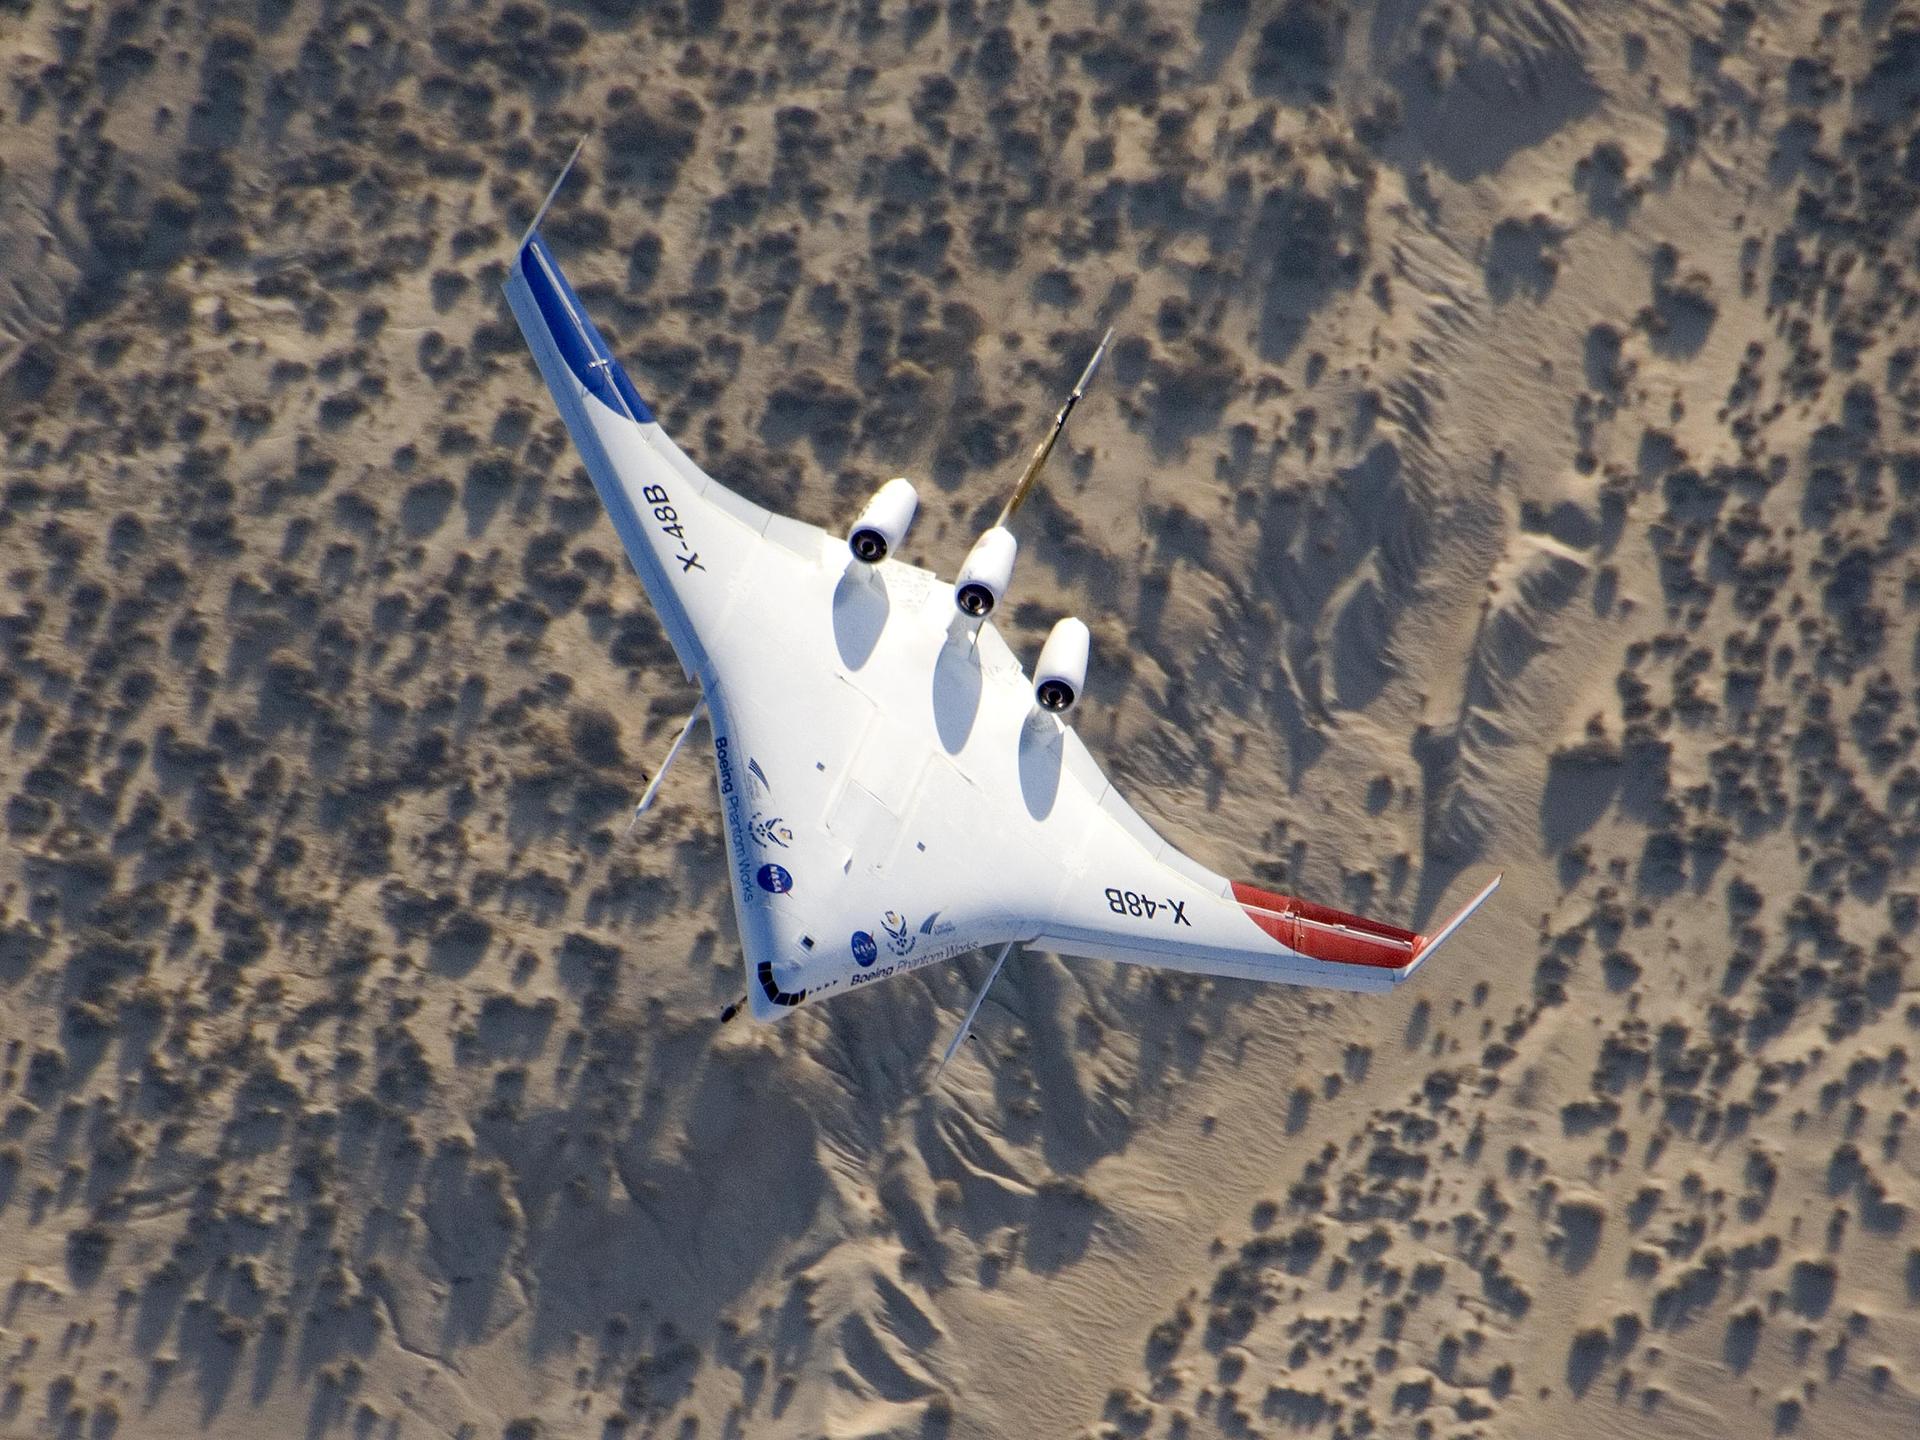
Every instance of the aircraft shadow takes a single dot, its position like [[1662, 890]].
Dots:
[[957, 683], [860, 610], [1042, 753]]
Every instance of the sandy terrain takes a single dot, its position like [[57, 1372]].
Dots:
[[1508, 458]]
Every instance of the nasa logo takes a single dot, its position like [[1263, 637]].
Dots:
[[865, 952], [774, 880]]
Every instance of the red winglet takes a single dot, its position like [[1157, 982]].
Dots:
[[1323, 933]]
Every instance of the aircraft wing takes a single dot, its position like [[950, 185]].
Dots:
[[890, 795], [692, 541]]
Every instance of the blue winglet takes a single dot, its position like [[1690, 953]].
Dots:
[[574, 335]]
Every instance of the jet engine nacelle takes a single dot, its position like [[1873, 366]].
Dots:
[[883, 523], [1061, 675], [987, 573]]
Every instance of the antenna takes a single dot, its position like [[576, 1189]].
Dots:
[[1045, 447]]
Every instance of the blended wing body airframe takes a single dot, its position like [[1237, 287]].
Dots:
[[891, 795]]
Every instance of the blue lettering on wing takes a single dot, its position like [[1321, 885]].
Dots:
[[736, 829]]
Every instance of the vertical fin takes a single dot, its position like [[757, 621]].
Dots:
[[1433, 942], [545, 204]]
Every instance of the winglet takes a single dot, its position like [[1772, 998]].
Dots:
[[545, 204], [1440, 937]]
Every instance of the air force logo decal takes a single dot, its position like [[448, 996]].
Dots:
[[900, 940]]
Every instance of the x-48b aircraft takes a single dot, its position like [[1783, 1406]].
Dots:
[[895, 790]]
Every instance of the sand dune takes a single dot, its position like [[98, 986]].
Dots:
[[1507, 458]]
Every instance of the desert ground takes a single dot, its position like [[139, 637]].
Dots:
[[1509, 458]]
